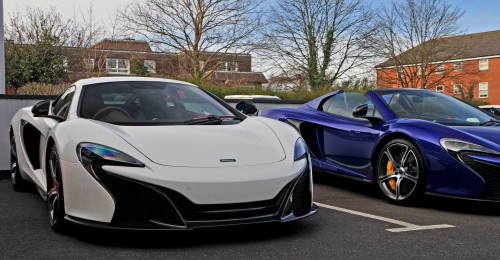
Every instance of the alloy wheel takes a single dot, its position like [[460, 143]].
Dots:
[[398, 171], [54, 188]]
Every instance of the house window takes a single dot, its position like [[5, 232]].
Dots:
[[89, 64], [483, 64], [117, 66], [228, 66], [151, 66], [483, 90], [439, 68], [457, 66], [457, 89], [420, 69], [400, 70], [440, 89]]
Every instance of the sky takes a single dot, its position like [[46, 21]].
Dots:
[[479, 16]]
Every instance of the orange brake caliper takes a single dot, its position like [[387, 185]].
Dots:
[[390, 169]]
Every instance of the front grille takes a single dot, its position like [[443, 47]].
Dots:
[[489, 172], [137, 204], [141, 204], [202, 212], [301, 198]]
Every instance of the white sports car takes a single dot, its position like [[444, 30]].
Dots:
[[147, 153]]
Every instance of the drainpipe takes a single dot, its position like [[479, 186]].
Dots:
[[3, 90]]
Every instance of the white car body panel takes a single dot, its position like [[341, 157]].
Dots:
[[97, 205], [217, 185], [43, 125], [250, 143]]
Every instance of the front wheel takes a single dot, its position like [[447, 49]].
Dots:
[[55, 200], [400, 172]]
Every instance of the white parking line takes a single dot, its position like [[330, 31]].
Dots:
[[406, 226]]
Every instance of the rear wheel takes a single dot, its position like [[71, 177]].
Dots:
[[400, 172], [18, 183], [55, 200]]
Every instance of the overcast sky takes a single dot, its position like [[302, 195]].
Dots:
[[480, 15], [104, 9]]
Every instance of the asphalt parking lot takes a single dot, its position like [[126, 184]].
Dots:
[[354, 223]]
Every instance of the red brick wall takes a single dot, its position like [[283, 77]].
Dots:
[[470, 75]]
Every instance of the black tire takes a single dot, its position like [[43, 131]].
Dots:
[[400, 172], [18, 183], [55, 198]]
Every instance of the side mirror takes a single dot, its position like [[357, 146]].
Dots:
[[246, 107], [41, 108], [360, 111]]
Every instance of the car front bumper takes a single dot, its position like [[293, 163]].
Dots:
[[147, 200]]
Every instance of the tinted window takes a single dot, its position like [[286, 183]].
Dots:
[[61, 105], [143, 102], [343, 104]]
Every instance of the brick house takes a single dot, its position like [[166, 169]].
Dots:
[[467, 65], [117, 58]]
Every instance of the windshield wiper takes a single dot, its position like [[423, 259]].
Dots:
[[226, 118], [210, 119], [489, 122]]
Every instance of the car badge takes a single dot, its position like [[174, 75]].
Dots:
[[227, 160]]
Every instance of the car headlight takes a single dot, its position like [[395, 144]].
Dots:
[[89, 153], [300, 150], [454, 146]]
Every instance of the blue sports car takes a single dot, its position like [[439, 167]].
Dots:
[[408, 141]]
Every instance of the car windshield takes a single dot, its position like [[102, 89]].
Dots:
[[433, 106], [152, 103]]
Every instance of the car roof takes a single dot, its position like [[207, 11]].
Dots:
[[90, 81]]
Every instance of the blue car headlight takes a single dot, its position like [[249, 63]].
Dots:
[[455, 146], [89, 153], [300, 150]]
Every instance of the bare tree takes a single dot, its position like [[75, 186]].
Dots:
[[35, 53], [196, 28], [34, 25], [44, 46], [319, 39], [412, 36], [89, 31]]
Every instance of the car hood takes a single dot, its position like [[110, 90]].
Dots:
[[487, 133], [250, 142]]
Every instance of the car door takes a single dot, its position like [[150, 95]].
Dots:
[[348, 142], [34, 132]]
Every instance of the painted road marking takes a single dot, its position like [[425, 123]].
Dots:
[[406, 226]]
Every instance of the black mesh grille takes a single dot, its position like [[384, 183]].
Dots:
[[197, 212], [301, 198], [490, 173], [137, 204]]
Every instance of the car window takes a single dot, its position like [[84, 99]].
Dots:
[[432, 106], [138, 103], [343, 104], [61, 105], [116, 98]]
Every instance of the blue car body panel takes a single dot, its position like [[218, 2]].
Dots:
[[349, 146]]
